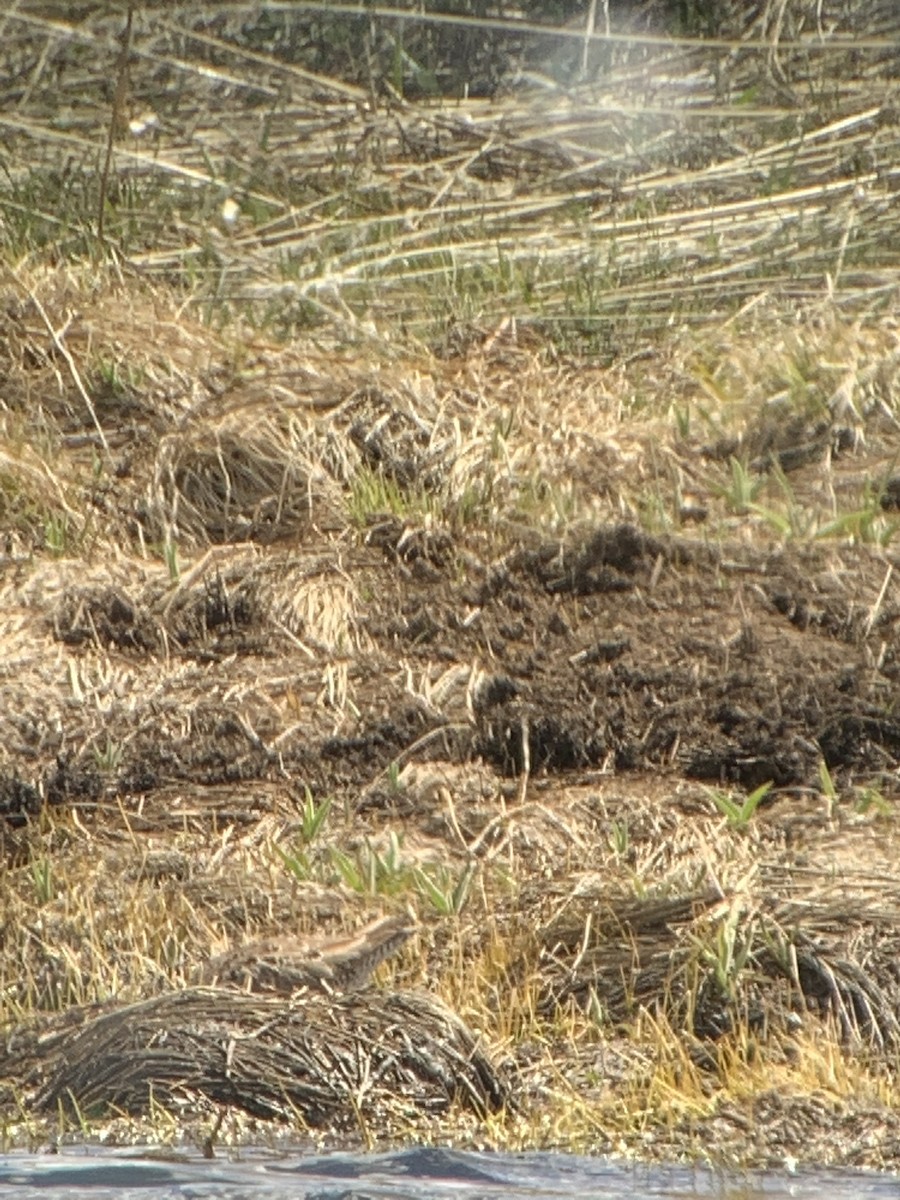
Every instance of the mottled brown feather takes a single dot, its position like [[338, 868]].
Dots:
[[288, 964]]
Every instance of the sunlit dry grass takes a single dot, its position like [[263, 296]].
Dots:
[[665, 176], [327, 323]]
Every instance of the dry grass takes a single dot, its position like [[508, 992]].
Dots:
[[198, 498], [114, 904], [106, 660], [660, 179], [219, 440]]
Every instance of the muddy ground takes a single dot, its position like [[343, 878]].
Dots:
[[620, 652], [535, 733]]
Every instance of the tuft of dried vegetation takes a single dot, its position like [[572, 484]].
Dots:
[[457, 478]]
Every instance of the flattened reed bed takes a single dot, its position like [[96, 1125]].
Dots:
[[657, 175], [340, 1060]]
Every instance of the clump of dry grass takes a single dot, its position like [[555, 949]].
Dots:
[[321, 1060]]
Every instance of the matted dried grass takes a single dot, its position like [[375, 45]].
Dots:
[[341, 1060], [633, 174], [735, 934]]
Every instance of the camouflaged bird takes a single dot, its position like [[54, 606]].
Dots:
[[289, 964]]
